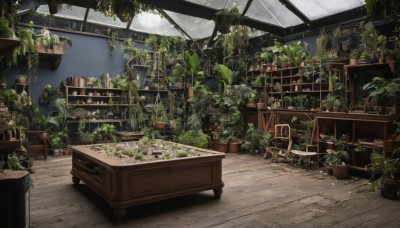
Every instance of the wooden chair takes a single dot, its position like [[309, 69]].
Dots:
[[310, 152], [282, 142]]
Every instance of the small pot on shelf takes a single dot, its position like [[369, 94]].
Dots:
[[159, 125]]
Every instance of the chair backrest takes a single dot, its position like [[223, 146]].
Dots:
[[282, 133]]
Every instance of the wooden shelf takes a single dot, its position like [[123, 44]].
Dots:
[[7, 44], [93, 88], [97, 121], [99, 105], [348, 68]]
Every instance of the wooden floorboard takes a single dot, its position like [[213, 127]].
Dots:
[[257, 193]]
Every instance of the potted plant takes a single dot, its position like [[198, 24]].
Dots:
[[160, 117], [381, 92], [57, 142], [225, 18], [354, 55], [364, 58], [221, 143], [338, 159], [234, 144], [105, 133], [22, 79], [59, 43], [385, 174], [284, 60], [301, 101], [44, 41]]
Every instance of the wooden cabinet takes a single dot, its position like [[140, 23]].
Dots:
[[359, 75], [367, 130]]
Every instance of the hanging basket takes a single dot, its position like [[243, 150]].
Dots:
[[53, 6]]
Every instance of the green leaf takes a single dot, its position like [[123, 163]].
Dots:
[[226, 74]]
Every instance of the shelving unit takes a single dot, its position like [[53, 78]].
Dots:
[[99, 102], [289, 82], [366, 130]]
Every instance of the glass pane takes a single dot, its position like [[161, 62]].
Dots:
[[272, 12], [255, 33], [219, 4], [99, 18], [66, 11], [203, 28], [315, 9], [153, 24]]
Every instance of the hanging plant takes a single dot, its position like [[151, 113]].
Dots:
[[125, 10], [54, 5], [225, 18], [322, 43]]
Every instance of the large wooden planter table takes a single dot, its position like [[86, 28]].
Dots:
[[124, 185], [356, 125]]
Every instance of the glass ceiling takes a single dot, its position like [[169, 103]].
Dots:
[[269, 12]]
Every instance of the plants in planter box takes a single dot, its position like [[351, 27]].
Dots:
[[59, 43], [385, 174], [57, 142], [194, 138], [53, 44], [338, 159]]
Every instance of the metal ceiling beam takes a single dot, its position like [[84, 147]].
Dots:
[[329, 20], [296, 11], [195, 10], [172, 21], [183, 7], [83, 26], [246, 7]]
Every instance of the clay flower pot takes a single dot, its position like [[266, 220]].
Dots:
[[160, 125]]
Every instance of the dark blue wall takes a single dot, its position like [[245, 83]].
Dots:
[[88, 56], [311, 43]]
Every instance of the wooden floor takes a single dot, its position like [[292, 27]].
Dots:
[[257, 193]]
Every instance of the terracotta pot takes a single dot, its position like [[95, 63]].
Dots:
[[8, 135], [222, 147], [160, 125], [353, 61], [260, 105], [390, 188], [234, 147], [340, 171], [67, 151], [251, 104]]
